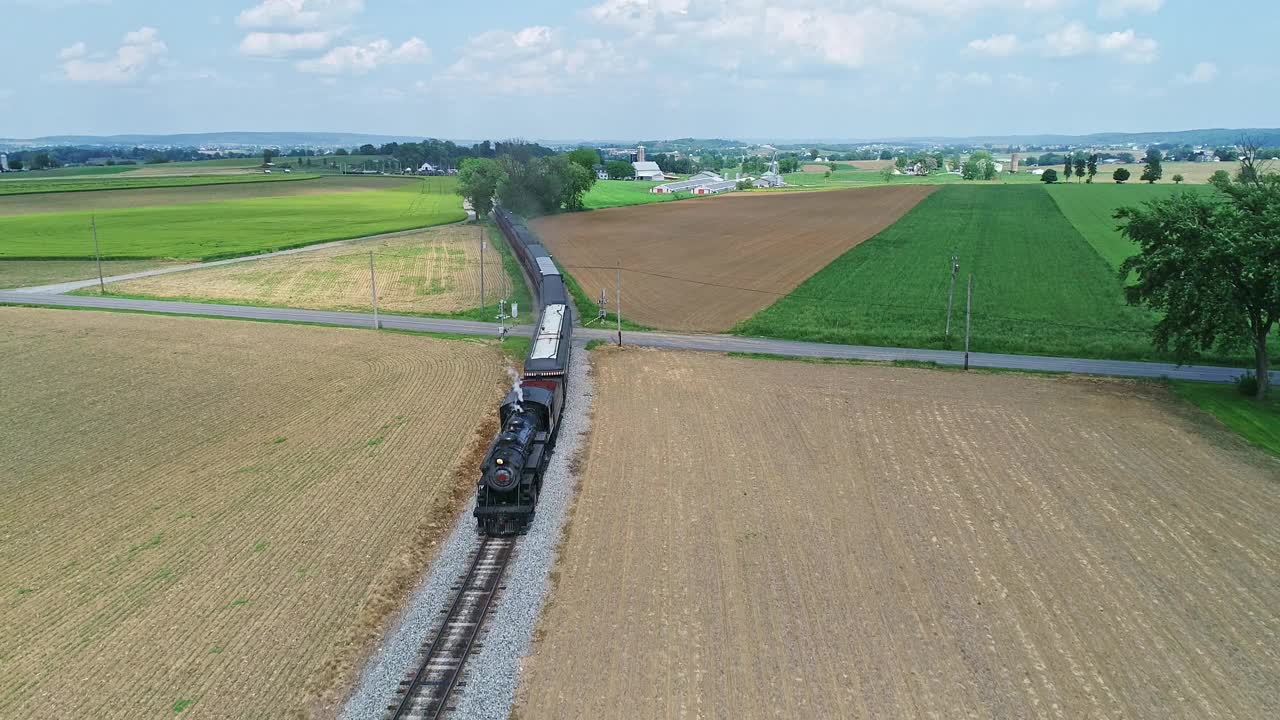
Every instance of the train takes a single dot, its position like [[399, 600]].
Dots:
[[512, 469]]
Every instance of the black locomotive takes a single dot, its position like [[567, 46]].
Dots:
[[511, 475]]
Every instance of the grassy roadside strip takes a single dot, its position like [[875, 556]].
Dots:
[[514, 346], [515, 275], [481, 314], [1258, 423]]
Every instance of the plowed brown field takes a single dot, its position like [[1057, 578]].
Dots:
[[211, 517], [706, 265], [430, 271], [761, 539]]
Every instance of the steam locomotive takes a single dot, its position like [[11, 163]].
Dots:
[[511, 474]]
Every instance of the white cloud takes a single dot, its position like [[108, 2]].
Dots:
[[1018, 83], [994, 46], [279, 44], [949, 79], [532, 61], [299, 14], [360, 59], [1120, 8], [1074, 39], [138, 50], [77, 50], [729, 34], [1203, 72]]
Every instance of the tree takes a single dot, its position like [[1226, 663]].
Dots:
[[1153, 170], [576, 182], [586, 157], [15, 164], [1177, 179], [267, 155], [1219, 176], [619, 170], [40, 161], [1093, 167], [743, 185], [1066, 168], [342, 151], [1120, 175], [367, 149], [478, 181], [1209, 265], [826, 175], [1049, 176], [900, 162], [1081, 164], [886, 174], [833, 167]]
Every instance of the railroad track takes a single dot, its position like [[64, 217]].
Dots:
[[426, 694]]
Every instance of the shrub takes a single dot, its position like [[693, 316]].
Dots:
[[1247, 384], [1050, 176], [1120, 175], [1177, 179]]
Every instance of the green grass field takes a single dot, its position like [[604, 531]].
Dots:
[[847, 176], [37, 175], [1039, 287], [619, 193], [225, 229], [90, 183], [1259, 423], [225, 164], [1091, 209]]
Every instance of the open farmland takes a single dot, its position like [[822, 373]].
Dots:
[[704, 265], [235, 189], [214, 517], [1192, 172], [837, 541], [226, 228], [93, 183], [1039, 287], [620, 193], [434, 271], [1091, 208]]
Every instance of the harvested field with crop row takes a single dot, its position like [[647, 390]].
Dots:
[[215, 516], [164, 191], [431, 271], [705, 265], [833, 541]]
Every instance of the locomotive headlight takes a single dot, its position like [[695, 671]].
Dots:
[[502, 479]]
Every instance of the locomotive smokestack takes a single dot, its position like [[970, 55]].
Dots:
[[516, 387]]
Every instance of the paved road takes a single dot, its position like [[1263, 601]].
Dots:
[[66, 287], [712, 343]]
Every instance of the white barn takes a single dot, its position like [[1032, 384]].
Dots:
[[647, 170]]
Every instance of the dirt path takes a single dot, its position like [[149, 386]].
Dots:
[[212, 517], [706, 264], [775, 539]]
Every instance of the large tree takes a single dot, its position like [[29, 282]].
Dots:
[[1153, 170], [1066, 168], [1120, 175], [1210, 264], [619, 169], [1092, 167], [1081, 166], [478, 181], [586, 157]]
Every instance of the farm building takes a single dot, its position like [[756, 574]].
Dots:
[[694, 182], [715, 187], [647, 170]]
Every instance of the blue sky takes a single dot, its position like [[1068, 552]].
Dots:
[[622, 69]]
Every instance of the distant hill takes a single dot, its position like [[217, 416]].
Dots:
[[1269, 137], [216, 139]]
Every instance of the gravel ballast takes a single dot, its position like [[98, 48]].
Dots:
[[490, 674]]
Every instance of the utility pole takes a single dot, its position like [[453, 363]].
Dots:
[[481, 268], [502, 319], [373, 285], [618, 303], [955, 270], [93, 222], [968, 319]]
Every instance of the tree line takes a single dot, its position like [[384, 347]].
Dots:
[[528, 183]]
